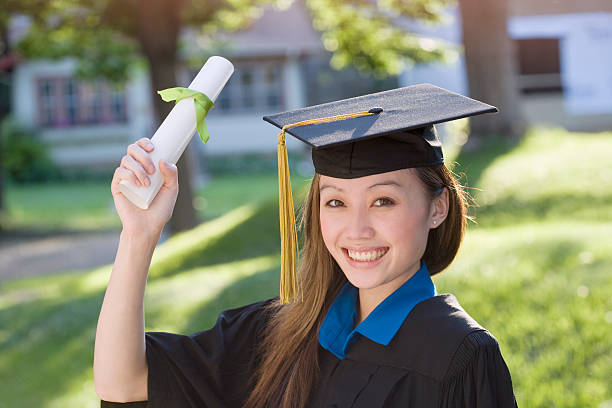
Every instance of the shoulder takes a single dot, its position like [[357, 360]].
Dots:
[[478, 345], [256, 312], [242, 321], [432, 334], [442, 315], [442, 342], [232, 325]]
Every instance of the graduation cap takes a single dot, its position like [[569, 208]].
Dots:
[[361, 136]]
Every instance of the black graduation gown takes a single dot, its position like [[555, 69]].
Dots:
[[440, 357]]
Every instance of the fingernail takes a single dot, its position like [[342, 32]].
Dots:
[[146, 181], [151, 169]]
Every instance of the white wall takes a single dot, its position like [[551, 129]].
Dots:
[[242, 134]]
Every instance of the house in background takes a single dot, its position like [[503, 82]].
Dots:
[[280, 65], [564, 55], [84, 123], [564, 52]]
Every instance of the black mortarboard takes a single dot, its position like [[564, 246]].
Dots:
[[399, 134], [361, 136]]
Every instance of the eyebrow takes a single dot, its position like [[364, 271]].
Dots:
[[386, 183], [321, 188], [382, 183]]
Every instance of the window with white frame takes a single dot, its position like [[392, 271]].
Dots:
[[254, 87], [64, 102]]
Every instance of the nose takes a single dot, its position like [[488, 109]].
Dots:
[[359, 225]]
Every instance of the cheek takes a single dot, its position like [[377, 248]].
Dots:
[[409, 228], [328, 229]]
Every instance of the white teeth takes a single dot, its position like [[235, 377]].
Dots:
[[366, 256]]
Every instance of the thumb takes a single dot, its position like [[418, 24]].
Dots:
[[170, 173]]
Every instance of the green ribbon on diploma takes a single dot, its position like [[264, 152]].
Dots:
[[201, 102]]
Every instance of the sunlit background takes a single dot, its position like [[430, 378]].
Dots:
[[78, 83]]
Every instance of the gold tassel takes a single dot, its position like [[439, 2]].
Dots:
[[289, 287], [288, 231]]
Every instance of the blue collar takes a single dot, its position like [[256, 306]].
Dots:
[[337, 334]]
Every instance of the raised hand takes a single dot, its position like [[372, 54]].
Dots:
[[135, 167]]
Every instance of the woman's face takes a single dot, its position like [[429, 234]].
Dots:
[[376, 227]]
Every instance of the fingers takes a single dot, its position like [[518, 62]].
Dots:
[[146, 144], [122, 173], [139, 151], [138, 161], [136, 164], [170, 173], [129, 163]]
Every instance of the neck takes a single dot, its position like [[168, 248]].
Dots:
[[371, 297]]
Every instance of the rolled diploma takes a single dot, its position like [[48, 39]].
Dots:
[[175, 132]]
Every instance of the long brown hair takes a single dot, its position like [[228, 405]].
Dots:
[[443, 242], [289, 358]]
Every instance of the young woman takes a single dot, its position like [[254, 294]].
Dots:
[[367, 327]]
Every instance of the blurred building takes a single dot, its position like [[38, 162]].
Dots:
[[564, 51], [564, 54], [279, 62], [280, 65], [84, 123]]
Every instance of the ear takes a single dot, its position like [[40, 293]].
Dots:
[[439, 209]]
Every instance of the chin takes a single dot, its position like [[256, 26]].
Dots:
[[363, 279]]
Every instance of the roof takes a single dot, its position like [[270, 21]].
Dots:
[[277, 32]]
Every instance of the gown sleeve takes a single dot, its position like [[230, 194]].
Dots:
[[478, 376], [208, 368]]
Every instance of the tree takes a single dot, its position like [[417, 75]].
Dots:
[[7, 60], [490, 64], [4, 53], [106, 35]]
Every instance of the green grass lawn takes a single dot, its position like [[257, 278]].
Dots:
[[70, 205], [89, 205], [534, 270]]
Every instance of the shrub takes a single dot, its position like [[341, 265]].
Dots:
[[24, 157]]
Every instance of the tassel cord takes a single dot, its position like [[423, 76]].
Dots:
[[290, 289]]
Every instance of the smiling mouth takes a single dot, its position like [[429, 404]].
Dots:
[[366, 255]]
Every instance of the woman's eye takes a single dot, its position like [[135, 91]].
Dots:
[[334, 203], [383, 202]]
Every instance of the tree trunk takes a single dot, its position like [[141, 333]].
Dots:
[[184, 216], [158, 28], [1, 177], [2, 116], [490, 61], [4, 110]]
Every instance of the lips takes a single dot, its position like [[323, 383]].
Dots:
[[366, 254]]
